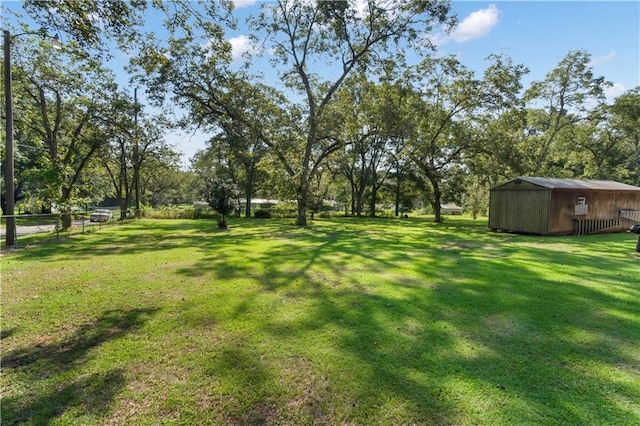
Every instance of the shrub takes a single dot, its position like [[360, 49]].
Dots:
[[285, 209], [204, 213], [262, 214], [220, 195], [169, 212]]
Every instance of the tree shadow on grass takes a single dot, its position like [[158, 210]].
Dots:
[[477, 338], [4, 333], [62, 355], [151, 236], [472, 336], [52, 376], [87, 395]]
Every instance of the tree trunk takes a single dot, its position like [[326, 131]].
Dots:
[[123, 207], [66, 219], [359, 197], [437, 206], [353, 199], [303, 197], [374, 196], [362, 183], [397, 197], [248, 192], [124, 204], [123, 199], [301, 220]]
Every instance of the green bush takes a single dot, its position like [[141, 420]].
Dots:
[[285, 209], [262, 214], [204, 213], [170, 212]]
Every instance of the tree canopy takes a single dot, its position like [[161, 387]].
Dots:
[[351, 116]]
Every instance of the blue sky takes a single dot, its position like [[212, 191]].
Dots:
[[537, 34]]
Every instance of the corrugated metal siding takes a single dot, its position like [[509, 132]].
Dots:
[[522, 210]]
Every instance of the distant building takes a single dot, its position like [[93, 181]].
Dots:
[[258, 203], [548, 206], [451, 209]]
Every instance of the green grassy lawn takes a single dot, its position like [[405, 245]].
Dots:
[[345, 322]]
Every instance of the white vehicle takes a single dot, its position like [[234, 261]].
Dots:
[[101, 215]]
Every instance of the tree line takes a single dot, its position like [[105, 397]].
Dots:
[[352, 117]]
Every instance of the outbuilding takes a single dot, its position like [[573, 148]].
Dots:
[[451, 209], [551, 206]]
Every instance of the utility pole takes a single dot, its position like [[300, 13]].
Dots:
[[136, 154], [10, 237]]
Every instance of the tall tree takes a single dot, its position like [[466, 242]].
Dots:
[[236, 154], [63, 107], [244, 118], [134, 139], [88, 24], [308, 36], [360, 132], [500, 126], [624, 123], [452, 111], [564, 98], [164, 182], [302, 35], [447, 95], [370, 118]]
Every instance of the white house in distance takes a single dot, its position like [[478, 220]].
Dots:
[[451, 209]]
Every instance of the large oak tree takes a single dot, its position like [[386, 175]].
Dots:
[[318, 44]]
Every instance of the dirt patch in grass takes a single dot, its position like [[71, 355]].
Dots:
[[464, 245], [502, 325], [311, 399]]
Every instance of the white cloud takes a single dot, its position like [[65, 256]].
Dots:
[[437, 39], [243, 3], [599, 60], [613, 91], [476, 25], [361, 8], [241, 45]]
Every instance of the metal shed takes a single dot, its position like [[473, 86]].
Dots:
[[550, 206]]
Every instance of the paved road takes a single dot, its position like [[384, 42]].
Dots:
[[34, 229]]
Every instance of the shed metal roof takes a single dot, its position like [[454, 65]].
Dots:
[[557, 183]]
